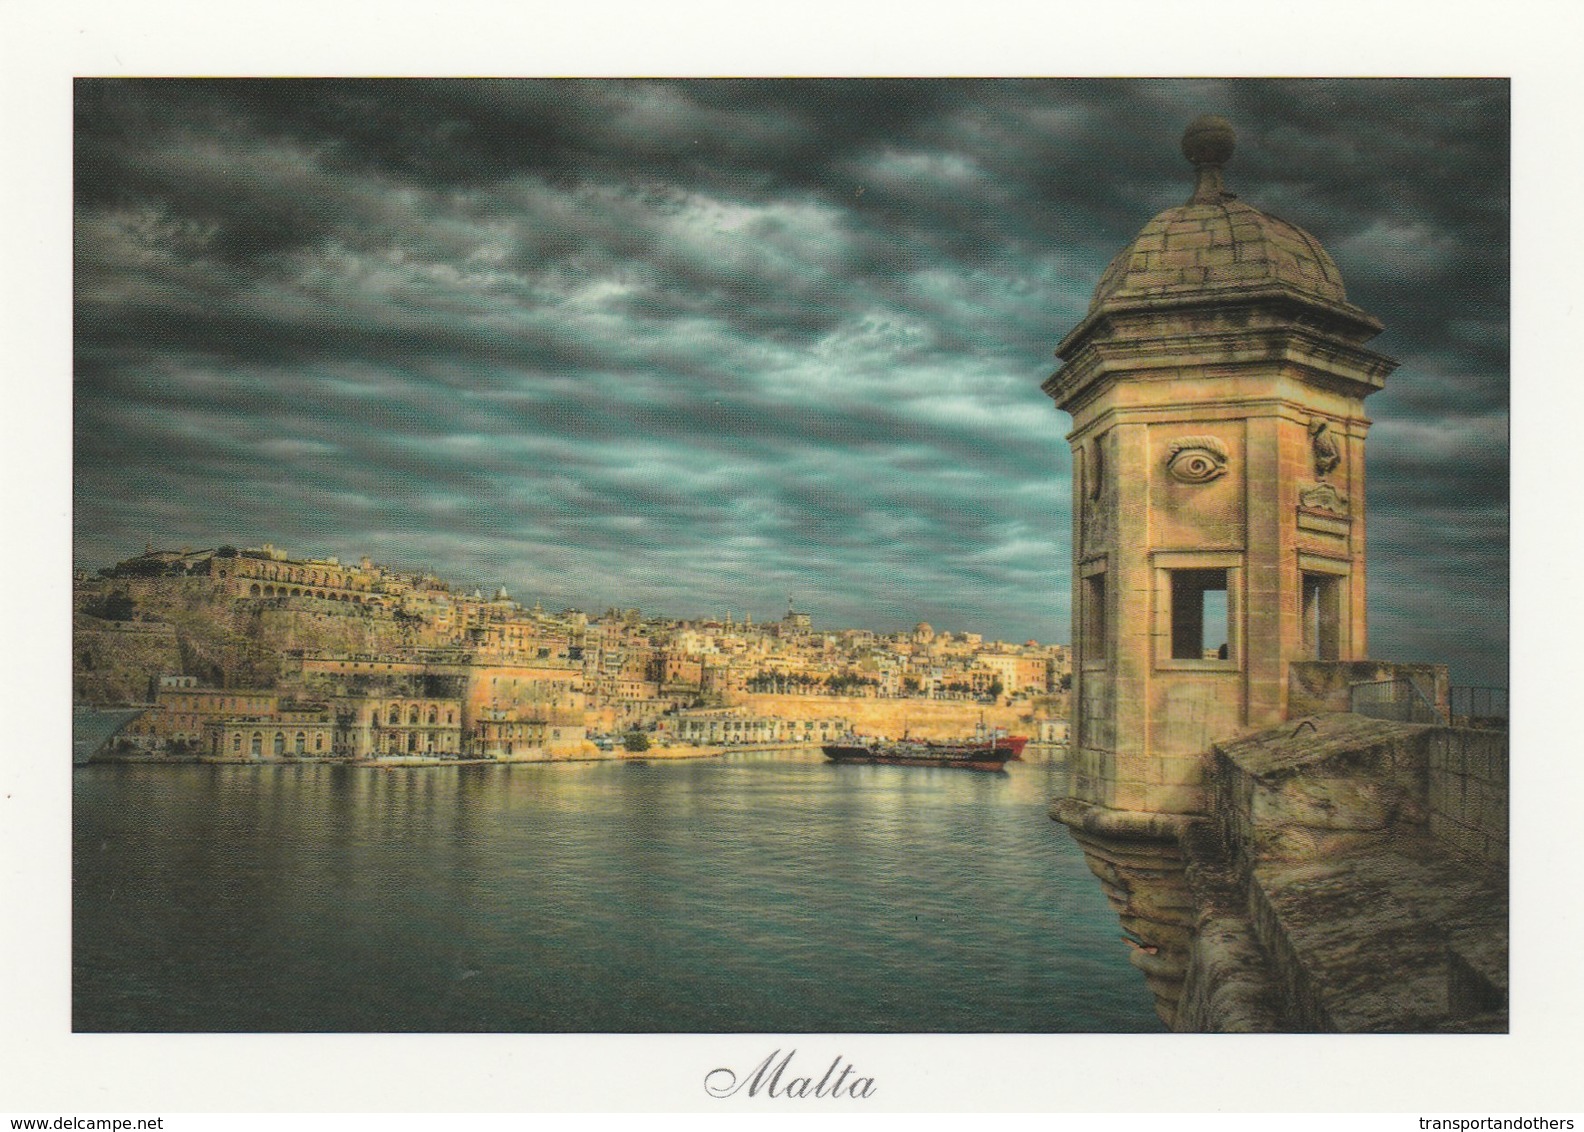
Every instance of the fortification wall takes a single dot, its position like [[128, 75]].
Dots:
[[295, 623], [1330, 838], [194, 626], [113, 662], [923, 719], [1315, 686], [1468, 793]]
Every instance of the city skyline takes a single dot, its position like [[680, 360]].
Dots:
[[697, 346], [478, 591]]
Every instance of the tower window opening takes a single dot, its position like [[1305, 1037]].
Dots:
[[1094, 617], [1200, 621], [1322, 616]]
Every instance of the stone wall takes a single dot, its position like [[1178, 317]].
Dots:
[[189, 625], [1318, 788], [1468, 793], [1330, 881], [1139, 861], [114, 662], [1315, 686], [319, 627], [889, 718]]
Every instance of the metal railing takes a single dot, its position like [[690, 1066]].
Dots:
[[1401, 700], [1479, 706]]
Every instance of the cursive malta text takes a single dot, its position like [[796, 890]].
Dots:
[[838, 1080]]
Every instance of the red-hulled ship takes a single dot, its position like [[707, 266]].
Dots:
[[979, 753]]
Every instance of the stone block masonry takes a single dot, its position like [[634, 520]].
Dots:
[[1349, 839], [114, 662], [1327, 889], [1468, 795]]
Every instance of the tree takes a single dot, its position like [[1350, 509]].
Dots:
[[117, 606], [635, 741]]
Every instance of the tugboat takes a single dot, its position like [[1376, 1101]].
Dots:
[[983, 752]]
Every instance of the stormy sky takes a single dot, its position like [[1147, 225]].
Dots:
[[698, 346]]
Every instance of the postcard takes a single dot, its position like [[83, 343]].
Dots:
[[782, 594]]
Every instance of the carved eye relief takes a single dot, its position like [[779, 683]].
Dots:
[[1196, 459]]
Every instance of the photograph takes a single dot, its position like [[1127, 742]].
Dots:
[[808, 556], [869, 561]]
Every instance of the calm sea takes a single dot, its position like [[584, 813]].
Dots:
[[767, 893]]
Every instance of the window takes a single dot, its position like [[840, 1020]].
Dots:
[[1322, 616], [1200, 626], [1323, 607], [1094, 617], [1198, 615], [301, 745]]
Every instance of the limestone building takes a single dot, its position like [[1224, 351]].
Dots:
[[1217, 388], [293, 731], [392, 724], [183, 713]]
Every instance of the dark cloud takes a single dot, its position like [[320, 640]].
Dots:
[[696, 345]]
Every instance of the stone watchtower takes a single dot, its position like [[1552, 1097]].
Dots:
[[1217, 389]]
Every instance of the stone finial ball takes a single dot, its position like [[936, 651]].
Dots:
[[1209, 140]]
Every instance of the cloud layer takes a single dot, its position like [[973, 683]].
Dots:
[[696, 346]]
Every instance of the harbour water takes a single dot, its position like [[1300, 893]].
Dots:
[[770, 892]]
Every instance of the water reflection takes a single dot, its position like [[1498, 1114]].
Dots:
[[752, 893]]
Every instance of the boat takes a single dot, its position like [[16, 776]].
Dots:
[[93, 730], [988, 752]]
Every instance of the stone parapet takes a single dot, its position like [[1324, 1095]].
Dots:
[[1329, 890], [1468, 793], [1315, 686], [1369, 942], [1324, 785], [1229, 986], [1337, 829]]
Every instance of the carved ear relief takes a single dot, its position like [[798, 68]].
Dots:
[[1327, 453], [1196, 459], [1096, 467]]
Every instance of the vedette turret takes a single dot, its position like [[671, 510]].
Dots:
[[1216, 386]]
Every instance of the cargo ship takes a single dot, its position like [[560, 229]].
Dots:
[[980, 753]]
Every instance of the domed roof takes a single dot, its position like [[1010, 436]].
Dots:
[[1216, 243]]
